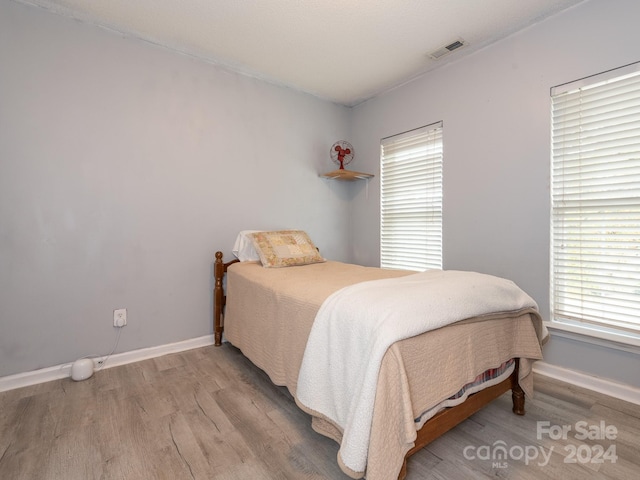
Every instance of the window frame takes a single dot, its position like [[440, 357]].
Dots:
[[607, 331]]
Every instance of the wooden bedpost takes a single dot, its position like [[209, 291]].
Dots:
[[517, 394], [218, 298]]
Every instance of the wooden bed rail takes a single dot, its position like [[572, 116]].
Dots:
[[219, 297], [450, 417]]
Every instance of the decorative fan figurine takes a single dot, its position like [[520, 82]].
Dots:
[[342, 153]]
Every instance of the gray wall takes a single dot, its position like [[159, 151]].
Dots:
[[123, 168], [496, 111]]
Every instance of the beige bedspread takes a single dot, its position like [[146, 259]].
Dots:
[[269, 314]]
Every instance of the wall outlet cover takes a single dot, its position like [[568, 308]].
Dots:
[[120, 317]]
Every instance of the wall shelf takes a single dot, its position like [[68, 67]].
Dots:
[[347, 175]]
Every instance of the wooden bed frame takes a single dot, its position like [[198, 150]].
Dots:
[[433, 428]]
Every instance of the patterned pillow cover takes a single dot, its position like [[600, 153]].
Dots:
[[285, 248]]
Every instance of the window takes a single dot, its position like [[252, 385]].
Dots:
[[595, 199], [411, 199]]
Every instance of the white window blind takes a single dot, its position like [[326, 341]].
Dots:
[[596, 202], [411, 199]]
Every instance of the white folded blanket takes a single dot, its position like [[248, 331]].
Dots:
[[357, 324]]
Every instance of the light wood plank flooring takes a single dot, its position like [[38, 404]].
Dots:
[[209, 413]]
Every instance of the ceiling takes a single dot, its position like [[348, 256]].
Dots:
[[345, 51]]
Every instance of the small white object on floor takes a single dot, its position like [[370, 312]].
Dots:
[[82, 369]]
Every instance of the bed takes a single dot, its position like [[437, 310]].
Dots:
[[425, 384]]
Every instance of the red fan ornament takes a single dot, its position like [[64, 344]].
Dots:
[[342, 153]]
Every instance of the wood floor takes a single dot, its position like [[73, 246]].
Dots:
[[209, 413]]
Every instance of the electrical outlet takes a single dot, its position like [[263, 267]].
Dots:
[[120, 317]]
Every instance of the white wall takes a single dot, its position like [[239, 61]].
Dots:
[[123, 168], [496, 111]]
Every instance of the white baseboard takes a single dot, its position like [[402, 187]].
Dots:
[[622, 391], [48, 374], [607, 387]]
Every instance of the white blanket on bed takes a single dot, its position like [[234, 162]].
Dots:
[[357, 324]]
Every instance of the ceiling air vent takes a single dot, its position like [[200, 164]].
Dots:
[[441, 52]]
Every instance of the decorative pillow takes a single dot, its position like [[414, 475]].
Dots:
[[243, 249], [285, 248]]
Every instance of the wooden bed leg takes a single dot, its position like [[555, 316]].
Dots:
[[517, 394], [403, 470], [218, 298]]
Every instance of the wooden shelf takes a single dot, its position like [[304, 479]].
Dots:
[[347, 175]]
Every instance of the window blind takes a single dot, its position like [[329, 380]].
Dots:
[[596, 202], [411, 199]]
